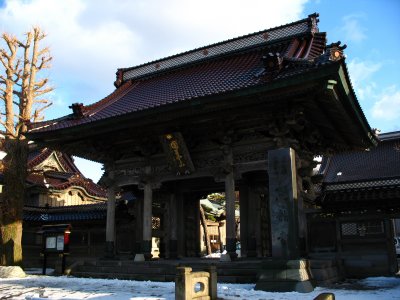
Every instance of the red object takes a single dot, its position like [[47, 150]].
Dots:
[[66, 238]]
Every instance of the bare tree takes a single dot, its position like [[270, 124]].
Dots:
[[21, 90]]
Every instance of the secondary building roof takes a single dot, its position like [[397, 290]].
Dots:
[[364, 179], [66, 214], [56, 171]]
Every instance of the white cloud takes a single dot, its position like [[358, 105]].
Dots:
[[91, 39], [353, 29], [380, 102], [388, 106], [361, 74]]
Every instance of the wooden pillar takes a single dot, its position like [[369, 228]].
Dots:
[[230, 203], [283, 203], [147, 216], [173, 227], [110, 225], [180, 208], [253, 242], [138, 207], [391, 251], [244, 218]]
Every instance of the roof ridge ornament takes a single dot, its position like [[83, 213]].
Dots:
[[313, 22], [335, 51], [119, 80], [77, 110]]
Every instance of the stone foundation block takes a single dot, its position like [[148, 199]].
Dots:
[[285, 276]]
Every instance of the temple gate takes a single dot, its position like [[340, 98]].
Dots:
[[248, 115]]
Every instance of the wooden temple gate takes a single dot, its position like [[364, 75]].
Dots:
[[246, 115]]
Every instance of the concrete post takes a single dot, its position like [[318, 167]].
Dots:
[[283, 203], [183, 284], [212, 292], [110, 223]]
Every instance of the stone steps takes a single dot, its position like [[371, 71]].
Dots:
[[232, 272]]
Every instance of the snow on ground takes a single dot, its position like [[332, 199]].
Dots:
[[36, 287]]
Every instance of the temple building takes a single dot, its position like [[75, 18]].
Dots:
[[359, 208], [57, 192], [246, 115]]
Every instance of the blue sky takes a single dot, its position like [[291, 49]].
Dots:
[[90, 39]]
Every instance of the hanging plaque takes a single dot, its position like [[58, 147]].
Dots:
[[177, 153]]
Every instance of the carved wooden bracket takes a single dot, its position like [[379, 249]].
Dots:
[[272, 62]]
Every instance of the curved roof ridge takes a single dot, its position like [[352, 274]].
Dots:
[[306, 25], [39, 157], [94, 108]]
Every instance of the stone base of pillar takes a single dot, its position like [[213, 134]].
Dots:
[[225, 257], [139, 257], [173, 248], [285, 276], [146, 249], [109, 251]]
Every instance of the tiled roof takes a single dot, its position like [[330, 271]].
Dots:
[[379, 197], [382, 162], [217, 69], [223, 48], [36, 157], [66, 214], [60, 180], [361, 180], [63, 181]]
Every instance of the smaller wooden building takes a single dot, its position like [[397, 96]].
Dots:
[[360, 197], [57, 192]]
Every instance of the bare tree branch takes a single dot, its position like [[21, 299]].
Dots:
[[17, 94], [23, 74], [43, 101], [3, 62], [9, 130], [41, 83], [37, 115], [45, 91], [45, 63], [44, 51]]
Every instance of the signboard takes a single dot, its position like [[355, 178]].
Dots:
[[55, 243], [60, 242], [51, 242]]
